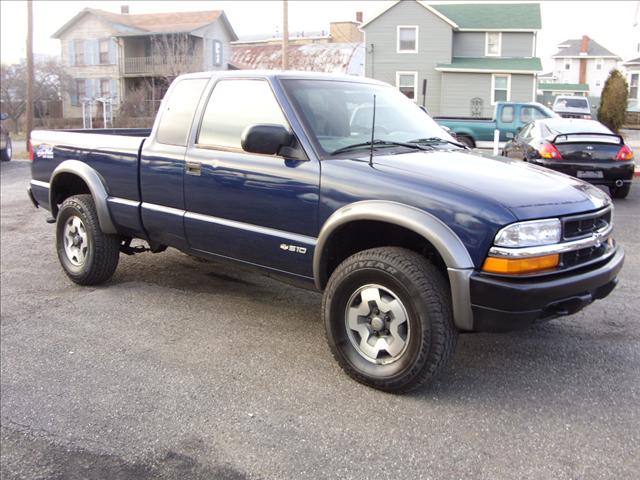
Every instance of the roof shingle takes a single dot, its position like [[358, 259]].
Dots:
[[516, 16]]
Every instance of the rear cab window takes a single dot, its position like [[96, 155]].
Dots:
[[177, 117]]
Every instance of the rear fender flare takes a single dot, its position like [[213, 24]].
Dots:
[[96, 186]]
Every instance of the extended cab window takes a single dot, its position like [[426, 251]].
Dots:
[[177, 116], [233, 106]]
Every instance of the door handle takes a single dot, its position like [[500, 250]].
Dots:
[[194, 168]]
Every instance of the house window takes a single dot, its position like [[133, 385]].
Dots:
[[407, 83], [567, 64], [81, 91], [104, 52], [78, 48], [407, 39], [598, 64], [598, 83], [493, 44], [105, 87], [500, 88], [217, 53], [633, 85]]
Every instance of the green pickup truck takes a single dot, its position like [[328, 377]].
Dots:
[[508, 118]]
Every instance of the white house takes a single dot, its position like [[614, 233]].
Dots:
[[584, 61]]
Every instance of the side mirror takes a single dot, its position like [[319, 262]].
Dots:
[[4, 116], [265, 138]]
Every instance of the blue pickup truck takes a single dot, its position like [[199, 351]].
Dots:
[[337, 184]]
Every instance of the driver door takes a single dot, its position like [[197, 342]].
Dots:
[[260, 209]]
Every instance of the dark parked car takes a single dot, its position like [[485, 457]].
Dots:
[[585, 149], [5, 141]]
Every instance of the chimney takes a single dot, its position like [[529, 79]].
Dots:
[[124, 9], [584, 45], [358, 17]]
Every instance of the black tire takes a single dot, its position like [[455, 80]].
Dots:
[[7, 151], [466, 141], [620, 192], [102, 251], [424, 294]]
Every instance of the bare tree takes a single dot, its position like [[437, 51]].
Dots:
[[173, 54], [51, 82]]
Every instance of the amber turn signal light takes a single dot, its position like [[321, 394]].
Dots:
[[511, 266]]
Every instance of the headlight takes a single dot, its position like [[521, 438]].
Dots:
[[529, 234]]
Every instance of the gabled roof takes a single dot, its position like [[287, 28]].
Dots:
[[571, 48], [176, 22], [492, 65], [633, 61], [502, 17], [493, 16]]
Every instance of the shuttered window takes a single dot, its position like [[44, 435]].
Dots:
[[217, 53], [78, 48], [104, 52]]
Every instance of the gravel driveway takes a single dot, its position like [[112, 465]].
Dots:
[[185, 369]]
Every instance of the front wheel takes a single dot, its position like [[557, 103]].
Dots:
[[87, 255], [388, 319]]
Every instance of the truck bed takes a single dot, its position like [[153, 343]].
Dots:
[[113, 153]]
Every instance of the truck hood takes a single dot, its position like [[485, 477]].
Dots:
[[528, 191]]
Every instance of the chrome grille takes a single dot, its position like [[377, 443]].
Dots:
[[582, 226], [585, 226]]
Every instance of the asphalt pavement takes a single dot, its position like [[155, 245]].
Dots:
[[179, 368]]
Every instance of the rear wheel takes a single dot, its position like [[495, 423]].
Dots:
[[620, 192], [87, 255], [7, 151], [388, 319]]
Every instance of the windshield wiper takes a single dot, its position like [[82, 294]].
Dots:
[[379, 143], [436, 140]]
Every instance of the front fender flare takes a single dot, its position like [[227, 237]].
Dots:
[[445, 241], [96, 186]]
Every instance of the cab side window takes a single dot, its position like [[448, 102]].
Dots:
[[233, 106]]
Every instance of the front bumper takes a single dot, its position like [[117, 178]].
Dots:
[[501, 304]]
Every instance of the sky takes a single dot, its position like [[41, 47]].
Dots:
[[610, 23]]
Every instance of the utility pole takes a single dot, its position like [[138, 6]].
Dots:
[[285, 35], [29, 125]]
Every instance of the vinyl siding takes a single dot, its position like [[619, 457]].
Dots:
[[88, 29], [472, 44], [459, 88], [517, 44], [434, 46], [216, 31]]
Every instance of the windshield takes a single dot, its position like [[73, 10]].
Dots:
[[572, 103], [340, 114]]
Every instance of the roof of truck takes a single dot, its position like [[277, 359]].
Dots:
[[282, 74]]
